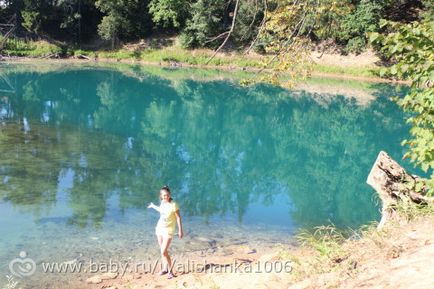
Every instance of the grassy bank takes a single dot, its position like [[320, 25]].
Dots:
[[329, 258], [175, 55], [200, 57], [357, 71], [170, 56], [21, 48]]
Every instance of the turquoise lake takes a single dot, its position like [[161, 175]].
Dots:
[[84, 149]]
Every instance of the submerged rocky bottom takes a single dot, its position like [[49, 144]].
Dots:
[[74, 254]]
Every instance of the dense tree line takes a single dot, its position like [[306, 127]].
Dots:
[[206, 23]]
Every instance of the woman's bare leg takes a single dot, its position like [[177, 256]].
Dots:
[[160, 243], [160, 240], [165, 252]]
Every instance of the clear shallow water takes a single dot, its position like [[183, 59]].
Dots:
[[85, 149]]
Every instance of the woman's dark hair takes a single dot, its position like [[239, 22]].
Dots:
[[167, 189]]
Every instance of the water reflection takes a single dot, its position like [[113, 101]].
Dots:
[[102, 138]]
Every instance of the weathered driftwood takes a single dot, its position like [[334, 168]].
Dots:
[[81, 56], [394, 185]]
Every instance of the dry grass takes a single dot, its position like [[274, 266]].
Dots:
[[327, 260]]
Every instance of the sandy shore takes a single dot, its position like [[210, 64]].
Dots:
[[400, 256], [237, 266]]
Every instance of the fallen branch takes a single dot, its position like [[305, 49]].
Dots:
[[81, 56], [51, 55], [228, 33], [261, 28]]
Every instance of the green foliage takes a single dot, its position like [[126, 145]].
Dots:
[[249, 17], [110, 23], [411, 46], [33, 14], [411, 211], [354, 26], [108, 27], [31, 20], [74, 18], [326, 20], [169, 13], [18, 47], [117, 54], [210, 18], [290, 48], [198, 57], [355, 45], [327, 240], [204, 23], [198, 22], [71, 17], [124, 19], [344, 22]]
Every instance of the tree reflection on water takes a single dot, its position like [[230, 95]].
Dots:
[[218, 145]]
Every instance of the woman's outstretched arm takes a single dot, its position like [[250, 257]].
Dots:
[[179, 222], [152, 206]]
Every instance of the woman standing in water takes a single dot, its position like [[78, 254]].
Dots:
[[169, 217]]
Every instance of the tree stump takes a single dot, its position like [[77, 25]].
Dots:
[[394, 185]]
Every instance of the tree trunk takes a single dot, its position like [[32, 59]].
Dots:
[[394, 185]]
